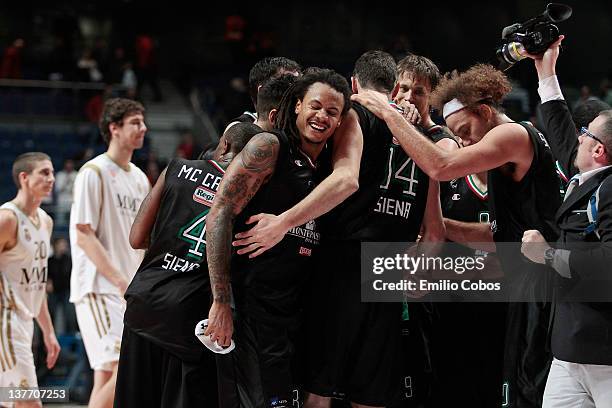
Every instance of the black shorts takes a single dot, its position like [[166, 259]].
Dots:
[[352, 348], [258, 372], [468, 354], [149, 376], [527, 355]]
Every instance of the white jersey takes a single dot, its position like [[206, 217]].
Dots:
[[23, 268], [107, 197]]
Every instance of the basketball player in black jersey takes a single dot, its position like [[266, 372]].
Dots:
[[273, 173], [162, 363], [264, 70], [417, 77], [468, 340], [366, 215], [519, 164]]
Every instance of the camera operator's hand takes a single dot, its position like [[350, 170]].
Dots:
[[545, 63]]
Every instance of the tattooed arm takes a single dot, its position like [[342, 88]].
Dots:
[[140, 233], [244, 176]]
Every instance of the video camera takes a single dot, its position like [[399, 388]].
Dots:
[[534, 36]]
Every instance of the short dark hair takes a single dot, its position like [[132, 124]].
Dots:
[[421, 67], [376, 70], [286, 113], [266, 69], [114, 111], [25, 163], [271, 93], [586, 111], [239, 135]]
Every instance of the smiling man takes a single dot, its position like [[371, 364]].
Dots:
[[107, 194], [25, 230]]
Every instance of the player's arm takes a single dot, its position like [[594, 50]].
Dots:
[[95, 251], [140, 232], [46, 327], [8, 234], [334, 189], [503, 144], [476, 235], [433, 226], [86, 212], [243, 178]]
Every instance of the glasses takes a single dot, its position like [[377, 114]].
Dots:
[[585, 131]]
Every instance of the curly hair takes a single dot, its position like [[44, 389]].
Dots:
[[481, 83], [286, 119]]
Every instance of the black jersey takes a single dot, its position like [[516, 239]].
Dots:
[[530, 203], [465, 201], [268, 285], [392, 189], [170, 292], [346, 221]]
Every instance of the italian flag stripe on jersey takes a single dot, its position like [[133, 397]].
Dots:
[[216, 165], [472, 185]]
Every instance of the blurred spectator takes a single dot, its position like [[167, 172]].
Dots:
[[585, 112], [88, 70], [93, 108], [64, 181], [234, 28], [58, 289], [60, 60], [100, 54], [146, 66], [585, 95], [11, 60], [129, 80], [186, 147]]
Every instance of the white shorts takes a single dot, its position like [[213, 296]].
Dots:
[[100, 320], [16, 358]]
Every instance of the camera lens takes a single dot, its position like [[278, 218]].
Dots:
[[512, 52], [509, 54]]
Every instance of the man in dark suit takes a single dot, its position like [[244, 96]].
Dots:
[[581, 372]]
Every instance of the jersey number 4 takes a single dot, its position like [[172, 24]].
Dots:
[[194, 233]]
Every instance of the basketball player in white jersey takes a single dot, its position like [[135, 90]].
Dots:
[[107, 194], [25, 230]]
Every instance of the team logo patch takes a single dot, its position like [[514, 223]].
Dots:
[[305, 251], [26, 232], [308, 232], [203, 196]]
